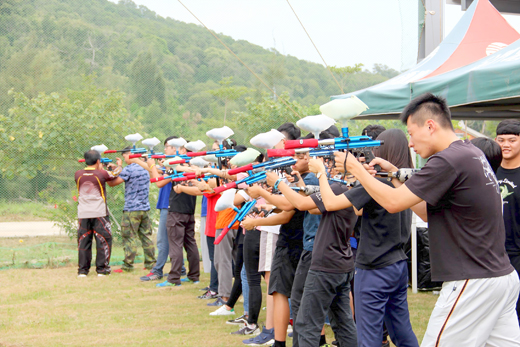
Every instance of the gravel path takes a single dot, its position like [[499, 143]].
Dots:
[[25, 229]]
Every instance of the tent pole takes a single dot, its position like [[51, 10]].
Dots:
[[414, 236]]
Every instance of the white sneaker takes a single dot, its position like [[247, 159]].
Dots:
[[222, 311], [82, 275], [101, 275]]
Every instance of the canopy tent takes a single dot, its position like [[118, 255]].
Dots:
[[476, 68]]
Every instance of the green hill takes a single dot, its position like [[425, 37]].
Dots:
[[165, 67]]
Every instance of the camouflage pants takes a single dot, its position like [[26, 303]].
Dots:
[[134, 225]]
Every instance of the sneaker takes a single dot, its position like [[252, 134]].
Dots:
[[208, 295], [119, 271], [222, 311], [266, 337], [167, 284], [82, 275], [205, 289], [103, 275], [242, 320], [186, 279], [151, 277], [218, 302], [247, 329]]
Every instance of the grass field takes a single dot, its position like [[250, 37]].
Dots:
[[52, 307], [23, 211]]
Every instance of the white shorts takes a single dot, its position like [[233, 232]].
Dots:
[[476, 312], [267, 247]]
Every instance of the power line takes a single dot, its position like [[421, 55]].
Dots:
[[309, 36], [240, 60]]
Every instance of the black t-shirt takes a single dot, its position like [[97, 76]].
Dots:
[[466, 228], [332, 252], [383, 235], [509, 181], [182, 203], [291, 233]]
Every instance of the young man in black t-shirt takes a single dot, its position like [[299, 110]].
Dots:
[[327, 284], [508, 175], [458, 194]]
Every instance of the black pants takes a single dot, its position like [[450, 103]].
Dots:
[[297, 290], [515, 261], [254, 278], [181, 232], [236, 290], [100, 229], [326, 293]]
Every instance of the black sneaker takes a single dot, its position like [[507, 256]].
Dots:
[[247, 329], [151, 277], [242, 320], [208, 295], [205, 289], [218, 302]]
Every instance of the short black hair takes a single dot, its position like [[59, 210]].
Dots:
[[91, 157], [169, 138], [491, 150], [229, 143], [323, 135], [260, 158], [240, 148], [373, 130], [508, 127], [428, 106], [127, 149], [290, 131]]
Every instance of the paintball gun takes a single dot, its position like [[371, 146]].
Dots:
[[402, 174]]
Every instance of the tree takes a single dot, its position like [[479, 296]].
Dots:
[[48, 133], [344, 73], [146, 80], [226, 92], [264, 115]]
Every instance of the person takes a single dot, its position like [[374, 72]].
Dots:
[[162, 204], [93, 217], [491, 150], [373, 130], [458, 194], [328, 276], [136, 222], [508, 175], [381, 280], [180, 225]]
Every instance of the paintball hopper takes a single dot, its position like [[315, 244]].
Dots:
[[195, 146], [133, 138], [99, 148], [151, 143], [246, 157], [315, 124], [344, 109], [267, 140], [177, 143], [198, 161], [226, 200], [220, 134], [169, 161], [212, 158]]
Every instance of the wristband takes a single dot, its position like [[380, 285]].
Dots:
[[152, 166], [277, 183]]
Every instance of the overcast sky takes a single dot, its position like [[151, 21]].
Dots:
[[346, 32]]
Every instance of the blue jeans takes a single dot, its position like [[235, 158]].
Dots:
[[245, 289], [381, 295], [162, 244]]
